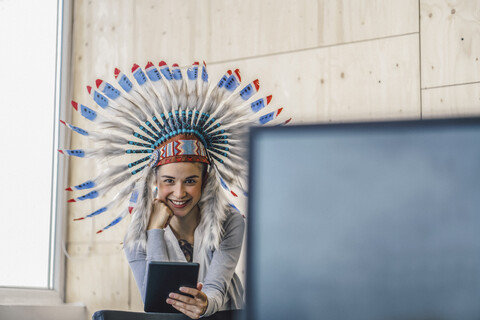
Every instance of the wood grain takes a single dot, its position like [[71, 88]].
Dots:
[[450, 42], [362, 81], [451, 101]]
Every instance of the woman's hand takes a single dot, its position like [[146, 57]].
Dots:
[[192, 307], [160, 216]]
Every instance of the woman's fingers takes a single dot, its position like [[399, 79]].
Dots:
[[184, 305], [160, 216], [170, 216], [186, 312], [191, 310], [182, 298], [192, 307], [191, 291]]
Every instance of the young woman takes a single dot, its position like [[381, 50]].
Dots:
[[175, 226]]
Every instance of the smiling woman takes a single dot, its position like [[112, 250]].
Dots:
[[177, 231]]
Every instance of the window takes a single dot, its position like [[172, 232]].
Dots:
[[30, 64]]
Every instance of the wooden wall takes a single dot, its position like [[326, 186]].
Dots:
[[326, 60]]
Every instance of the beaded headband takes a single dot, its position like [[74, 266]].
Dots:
[[181, 148]]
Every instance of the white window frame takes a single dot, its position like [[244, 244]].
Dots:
[[56, 293]]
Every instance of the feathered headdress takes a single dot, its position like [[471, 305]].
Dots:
[[164, 117]]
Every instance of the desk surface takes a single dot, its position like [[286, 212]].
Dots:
[[127, 315]]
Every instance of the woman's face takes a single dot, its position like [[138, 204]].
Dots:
[[180, 186]]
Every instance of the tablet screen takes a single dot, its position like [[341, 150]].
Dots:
[[164, 278]]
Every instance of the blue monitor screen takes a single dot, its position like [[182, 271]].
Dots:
[[365, 221]]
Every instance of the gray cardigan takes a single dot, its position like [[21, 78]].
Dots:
[[220, 283]]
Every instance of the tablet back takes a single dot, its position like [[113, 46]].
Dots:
[[164, 278]]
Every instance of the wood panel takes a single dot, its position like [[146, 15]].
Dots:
[[450, 42], [219, 30], [97, 273], [452, 101], [103, 40], [348, 21], [361, 81], [98, 276], [126, 31], [135, 302]]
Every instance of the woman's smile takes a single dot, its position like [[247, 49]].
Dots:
[[179, 204]]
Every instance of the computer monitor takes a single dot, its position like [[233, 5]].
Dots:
[[365, 221]]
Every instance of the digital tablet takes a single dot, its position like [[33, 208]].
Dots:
[[164, 278]]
